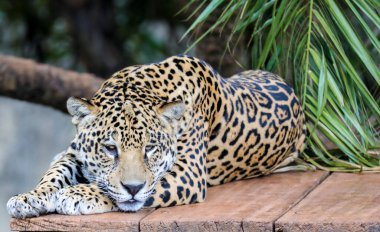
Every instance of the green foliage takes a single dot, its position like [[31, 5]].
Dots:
[[77, 34], [329, 51]]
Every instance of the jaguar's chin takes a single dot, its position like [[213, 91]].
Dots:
[[130, 205]]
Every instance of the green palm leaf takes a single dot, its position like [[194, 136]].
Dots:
[[330, 51]]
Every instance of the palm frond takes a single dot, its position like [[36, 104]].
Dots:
[[330, 52]]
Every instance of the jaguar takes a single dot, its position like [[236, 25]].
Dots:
[[159, 135]]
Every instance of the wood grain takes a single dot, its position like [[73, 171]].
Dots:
[[97, 222], [344, 202], [249, 205]]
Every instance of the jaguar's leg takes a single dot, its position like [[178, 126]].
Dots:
[[64, 172], [186, 182], [82, 199], [181, 185]]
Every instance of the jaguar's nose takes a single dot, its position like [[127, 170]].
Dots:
[[132, 189]]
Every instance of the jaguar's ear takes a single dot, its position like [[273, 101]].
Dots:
[[172, 112], [79, 108]]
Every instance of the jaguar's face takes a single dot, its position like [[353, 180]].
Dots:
[[127, 147]]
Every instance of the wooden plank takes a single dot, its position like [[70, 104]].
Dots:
[[344, 202], [249, 205], [114, 221]]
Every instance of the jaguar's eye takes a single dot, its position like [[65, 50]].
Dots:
[[149, 148], [149, 151], [110, 149]]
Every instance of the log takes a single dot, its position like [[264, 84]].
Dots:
[[40, 83]]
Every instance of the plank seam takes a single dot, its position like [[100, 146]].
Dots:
[[311, 189], [139, 223]]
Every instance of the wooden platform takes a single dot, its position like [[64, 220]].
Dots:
[[309, 201]]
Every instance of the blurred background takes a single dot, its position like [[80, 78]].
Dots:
[[99, 37], [329, 51], [30, 136]]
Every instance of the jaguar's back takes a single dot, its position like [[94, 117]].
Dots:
[[259, 124]]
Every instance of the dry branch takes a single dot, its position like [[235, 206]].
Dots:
[[27, 80]]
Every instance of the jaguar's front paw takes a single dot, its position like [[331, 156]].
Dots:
[[28, 205], [82, 199]]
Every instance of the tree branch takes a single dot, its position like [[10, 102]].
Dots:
[[27, 80]]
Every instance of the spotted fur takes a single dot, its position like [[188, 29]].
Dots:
[[158, 135]]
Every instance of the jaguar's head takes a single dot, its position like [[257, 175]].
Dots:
[[126, 145]]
